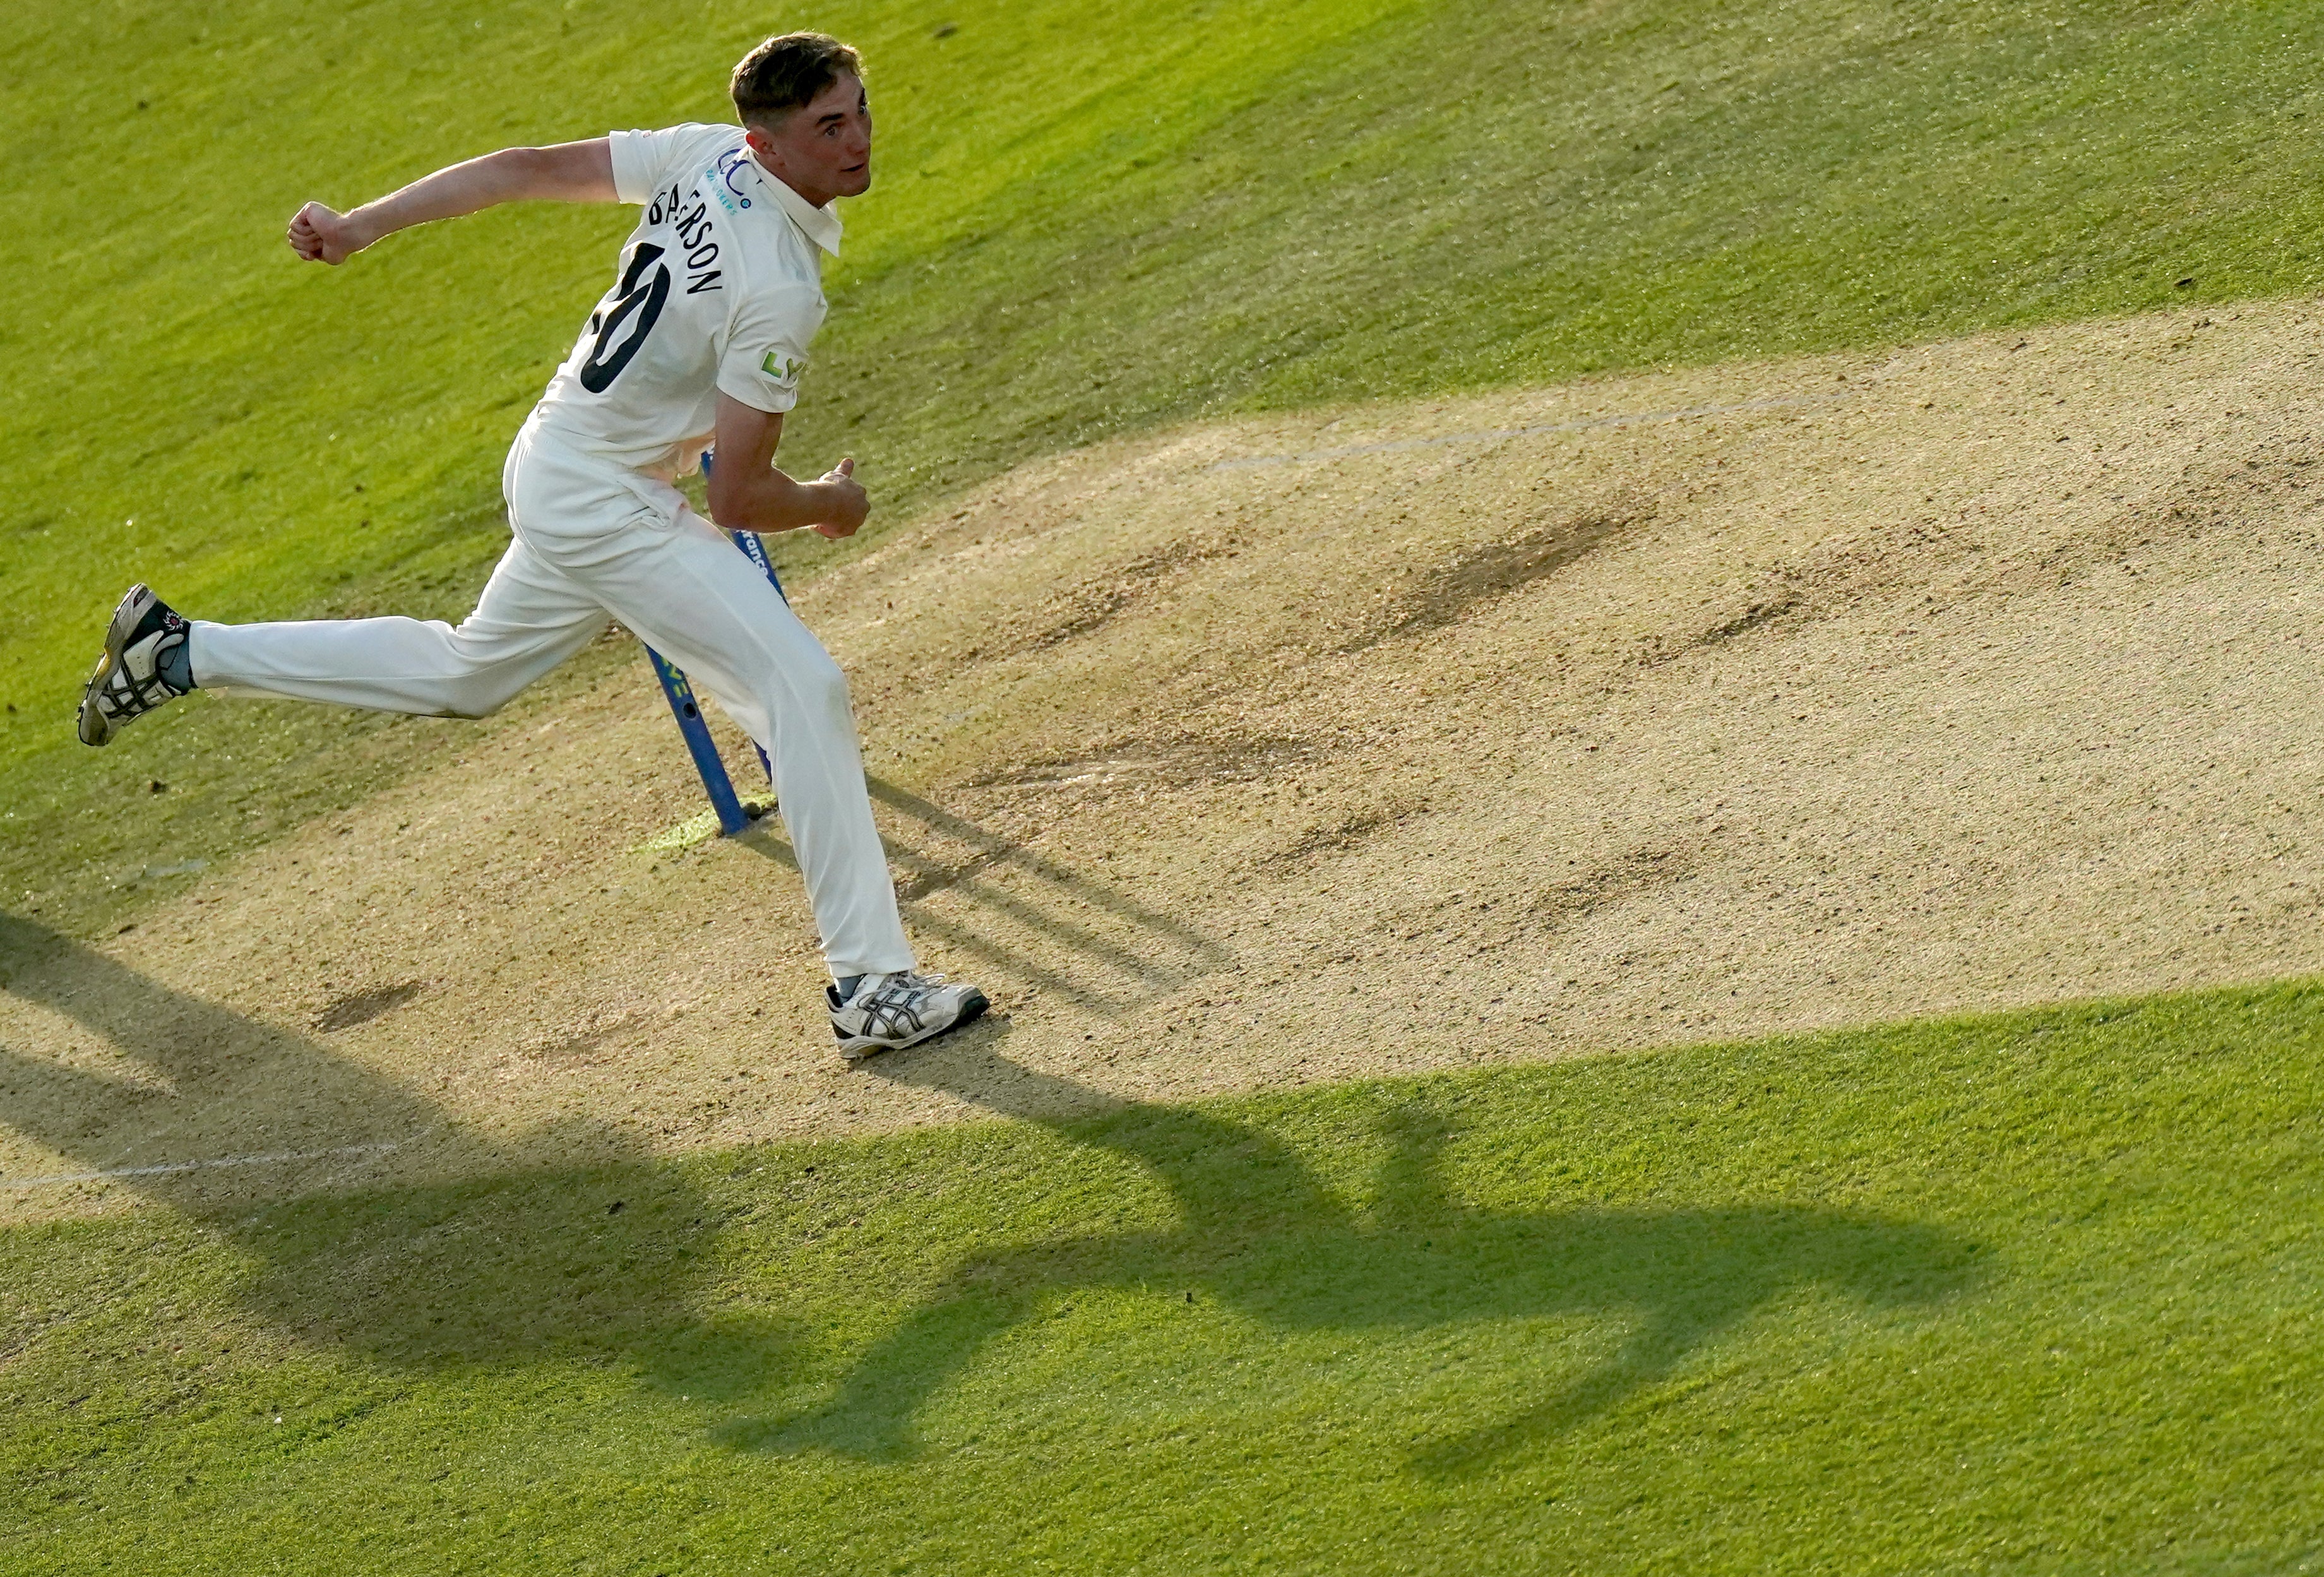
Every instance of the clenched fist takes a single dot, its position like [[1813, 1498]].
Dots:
[[843, 500], [322, 234]]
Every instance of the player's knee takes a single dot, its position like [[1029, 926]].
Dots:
[[822, 687], [481, 694]]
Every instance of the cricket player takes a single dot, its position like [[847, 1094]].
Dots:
[[702, 338]]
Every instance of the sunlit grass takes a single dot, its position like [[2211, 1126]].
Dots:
[[2037, 1292], [1076, 230]]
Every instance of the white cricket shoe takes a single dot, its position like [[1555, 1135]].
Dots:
[[891, 1011], [128, 681]]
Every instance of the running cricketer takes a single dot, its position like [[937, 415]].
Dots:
[[702, 338]]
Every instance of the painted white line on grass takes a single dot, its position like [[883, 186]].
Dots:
[[118, 1174], [1630, 418]]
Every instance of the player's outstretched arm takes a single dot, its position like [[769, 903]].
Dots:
[[747, 494], [569, 172]]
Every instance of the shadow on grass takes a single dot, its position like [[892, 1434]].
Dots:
[[569, 1242], [1260, 1232], [565, 1238]]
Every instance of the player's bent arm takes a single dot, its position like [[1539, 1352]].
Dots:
[[569, 172], [747, 494]]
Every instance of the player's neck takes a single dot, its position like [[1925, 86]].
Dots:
[[805, 196]]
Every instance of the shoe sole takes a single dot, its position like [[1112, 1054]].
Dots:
[[92, 720], [971, 1010]]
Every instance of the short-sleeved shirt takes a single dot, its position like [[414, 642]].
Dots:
[[719, 290]]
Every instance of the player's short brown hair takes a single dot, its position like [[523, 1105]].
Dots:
[[787, 71]]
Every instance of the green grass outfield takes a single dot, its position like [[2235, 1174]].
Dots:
[[1077, 230], [2036, 1293]]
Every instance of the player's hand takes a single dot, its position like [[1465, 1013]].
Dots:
[[845, 503], [322, 234]]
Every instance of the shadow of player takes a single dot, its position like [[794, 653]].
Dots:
[[1258, 1231], [1038, 922], [275, 1144], [519, 1251]]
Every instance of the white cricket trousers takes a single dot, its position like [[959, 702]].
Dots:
[[593, 539]]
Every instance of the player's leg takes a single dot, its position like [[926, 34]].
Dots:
[[530, 618], [685, 590]]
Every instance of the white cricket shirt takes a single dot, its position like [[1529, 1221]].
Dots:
[[720, 290]]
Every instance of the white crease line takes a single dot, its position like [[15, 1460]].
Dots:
[[116, 1174], [1634, 418]]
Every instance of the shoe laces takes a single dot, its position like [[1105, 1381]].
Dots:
[[893, 1007], [124, 693]]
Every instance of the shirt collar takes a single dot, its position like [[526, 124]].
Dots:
[[821, 225]]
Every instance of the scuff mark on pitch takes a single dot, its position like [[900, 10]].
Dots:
[[1093, 604], [575, 1044], [1495, 569], [1748, 620], [1640, 870], [1344, 836], [344, 1012]]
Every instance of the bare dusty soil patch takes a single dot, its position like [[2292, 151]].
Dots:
[[1651, 709]]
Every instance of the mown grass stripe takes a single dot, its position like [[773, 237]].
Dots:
[[2036, 1291]]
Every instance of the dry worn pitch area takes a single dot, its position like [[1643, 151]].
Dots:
[[1647, 709]]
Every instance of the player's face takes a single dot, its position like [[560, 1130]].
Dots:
[[824, 150]]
